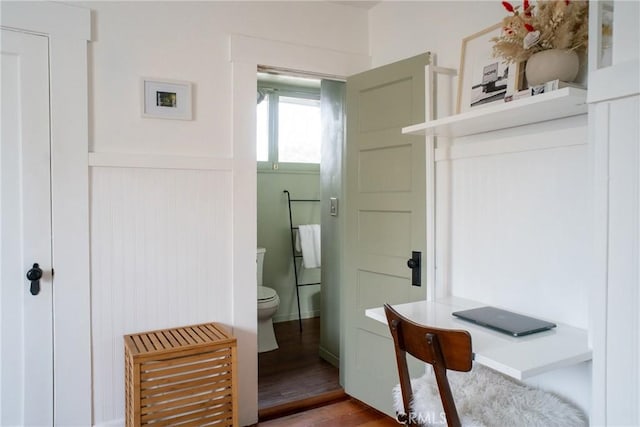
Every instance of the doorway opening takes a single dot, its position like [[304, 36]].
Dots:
[[295, 130]]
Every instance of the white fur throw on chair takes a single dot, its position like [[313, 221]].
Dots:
[[485, 398]]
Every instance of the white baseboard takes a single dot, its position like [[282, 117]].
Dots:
[[294, 316], [113, 423], [158, 161], [329, 357]]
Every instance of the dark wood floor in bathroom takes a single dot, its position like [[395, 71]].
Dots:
[[294, 371], [348, 412]]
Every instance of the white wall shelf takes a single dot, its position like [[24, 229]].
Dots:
[[565, 102]]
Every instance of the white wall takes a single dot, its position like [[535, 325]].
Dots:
[[173, 202], [406, 28], [520, 223], [190, 41], [519, 214]]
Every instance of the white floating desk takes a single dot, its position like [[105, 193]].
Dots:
[[518, 357]]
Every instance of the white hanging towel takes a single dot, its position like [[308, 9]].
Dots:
[[297, 234], [308, 240]]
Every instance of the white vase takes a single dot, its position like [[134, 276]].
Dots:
[[552, 64]]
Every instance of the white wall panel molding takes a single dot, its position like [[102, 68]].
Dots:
[[53, 19], [159, 254], [244, 228], [153, 161], [466, 151], [296, 57], [556, 134], [599, 137], [68, 29], [616, 296], [617, 81]]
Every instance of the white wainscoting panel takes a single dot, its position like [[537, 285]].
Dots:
[[521, 225], [622, 342], [161, 245]]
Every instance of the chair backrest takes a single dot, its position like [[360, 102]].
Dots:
[[442, 348]]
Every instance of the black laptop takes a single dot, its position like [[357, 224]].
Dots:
[[504, 321]]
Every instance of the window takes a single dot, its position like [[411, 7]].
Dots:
[[288, 127], [298, 130]]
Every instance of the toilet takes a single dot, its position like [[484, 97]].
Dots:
[[268, 302]]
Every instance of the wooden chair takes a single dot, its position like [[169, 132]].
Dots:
[[485, 396], [442, 348]]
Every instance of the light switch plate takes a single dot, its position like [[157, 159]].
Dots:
[[333, 207]]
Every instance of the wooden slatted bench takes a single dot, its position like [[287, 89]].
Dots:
[[184, 376]]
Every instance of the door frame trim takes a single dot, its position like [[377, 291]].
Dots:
[[245, 54], [68, 29]]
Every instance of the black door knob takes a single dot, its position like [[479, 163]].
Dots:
[[414, 265], [34, 275]]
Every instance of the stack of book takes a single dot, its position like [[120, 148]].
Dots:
[[542, 88]]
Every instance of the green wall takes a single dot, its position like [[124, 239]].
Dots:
[[331, 172], [274, 235]]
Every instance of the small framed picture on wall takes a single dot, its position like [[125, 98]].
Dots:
[[166, 99]]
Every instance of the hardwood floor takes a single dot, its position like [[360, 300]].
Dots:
[[346, 413], [294, 371], [296, 388]]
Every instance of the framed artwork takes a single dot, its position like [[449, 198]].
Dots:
[[166, 99], [483, 79]]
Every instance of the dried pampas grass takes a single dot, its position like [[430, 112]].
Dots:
[[547, 25]]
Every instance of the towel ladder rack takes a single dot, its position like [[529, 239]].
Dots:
[[293, 252]]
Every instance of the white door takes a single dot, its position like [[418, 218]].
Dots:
[[26, 335], [385, 217]]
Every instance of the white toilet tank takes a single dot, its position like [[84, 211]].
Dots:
[[260, 260]]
